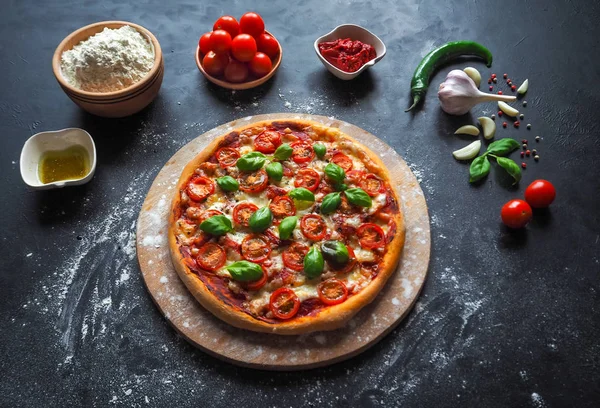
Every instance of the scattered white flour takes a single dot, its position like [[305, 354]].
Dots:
[[537, 400], [108, 61]]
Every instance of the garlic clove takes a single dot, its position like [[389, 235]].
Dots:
[[523, 88], [467, 130], [509, 110], [467, 152], [474, 75], [488, 126]]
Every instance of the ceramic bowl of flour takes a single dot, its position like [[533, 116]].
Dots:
[[109, 90]]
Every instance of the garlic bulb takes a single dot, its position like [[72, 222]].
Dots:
[[458, 94]]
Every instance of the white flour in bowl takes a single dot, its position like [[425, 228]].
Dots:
[[108, 61]]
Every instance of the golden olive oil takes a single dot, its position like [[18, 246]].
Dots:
[[59, 165]]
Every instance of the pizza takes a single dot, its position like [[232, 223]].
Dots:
[[285, 227]]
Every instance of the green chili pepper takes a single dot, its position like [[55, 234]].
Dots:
[[438, 57]]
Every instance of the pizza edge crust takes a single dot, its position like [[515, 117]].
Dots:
[[330, 318]]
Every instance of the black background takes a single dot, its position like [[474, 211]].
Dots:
[[505, 318]]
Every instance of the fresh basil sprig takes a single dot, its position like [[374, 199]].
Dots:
[[335, 172], [251, 161], [320, 150], [511, 168], [275, 171], [340, 186], [261, 219], [335, 252], [302, 194], [480, 167], [358, 196], [287, 226], [217, 225], [245, 271], [228, 183], [313, 263], [330, 203], [283, 152]]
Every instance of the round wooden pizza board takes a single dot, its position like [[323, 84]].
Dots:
[[270, 351]]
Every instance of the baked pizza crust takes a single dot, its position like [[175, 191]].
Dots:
[[328, 318]]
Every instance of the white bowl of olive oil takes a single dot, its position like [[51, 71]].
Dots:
[[57, 159]]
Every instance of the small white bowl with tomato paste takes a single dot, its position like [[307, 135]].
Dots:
[[348, 50]]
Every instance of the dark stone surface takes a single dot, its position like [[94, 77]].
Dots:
[[505, 318]]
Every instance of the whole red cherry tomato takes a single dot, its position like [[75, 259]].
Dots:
[[236, 71], [540, 194], [204, 43], [267, 44], [228, 24], [220, 41], [253, 24], [516, 213], [243, 47], [261, 64], [214, 64]]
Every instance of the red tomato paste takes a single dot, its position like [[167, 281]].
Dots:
[[347, 54]]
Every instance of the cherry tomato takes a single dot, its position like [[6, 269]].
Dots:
[[372, 184], [204, 43], [355, 176], [267, 142], [254, 182], [516, 213], [371, 236], [227, 156], [307, 178], [253, 24], [259, 283], [540, 194], [343, 161], [228, 24], [302, 152], [236, 71], [214, 64], [313, 227], [255, 248], [200, 187], [267, 44], [211, 257], [282, 206], [293, 257], [261, 64], [242, 213], [243, 47], [207, 214], [284, 303], [220, 41], [332, 291]]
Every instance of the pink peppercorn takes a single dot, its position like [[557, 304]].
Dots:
[[499, 92]]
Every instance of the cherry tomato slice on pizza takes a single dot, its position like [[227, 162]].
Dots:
[[307, 178], [259, 283], [370, 236], [332, 291], [372, 184], [293, 257], [267, 142], [254, 182], [284, 303], [343, 161], [200, 187], [242, 213], [302, 152], [207, 214], [227, 156], [313, 227], [255, 248], [355, 176], [282, 206], [211, 257]]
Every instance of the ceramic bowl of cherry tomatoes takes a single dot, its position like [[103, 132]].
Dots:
[[238, 55]]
